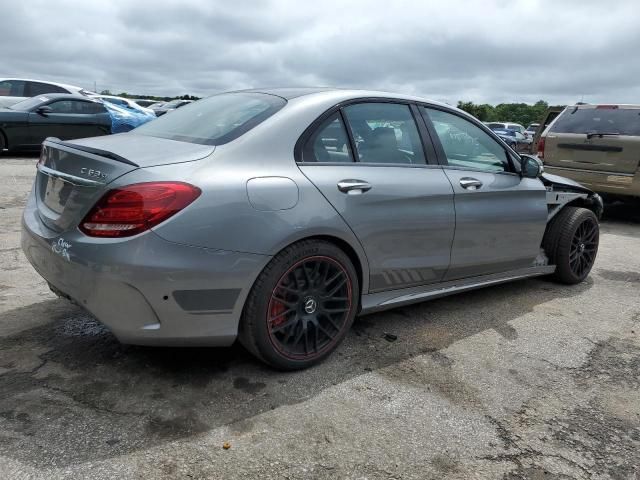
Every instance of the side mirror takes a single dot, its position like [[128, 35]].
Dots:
[[531, 166], [44, 110]]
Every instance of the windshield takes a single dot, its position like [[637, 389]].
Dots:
[[623, 121], [215, 120], [29, 103]]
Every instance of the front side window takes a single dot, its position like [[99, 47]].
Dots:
[[214, 120], [75, 107], [385, 133], [467, 145], [329, 143]]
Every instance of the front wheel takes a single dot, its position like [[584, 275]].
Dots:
[[301, 306], [571, 243]]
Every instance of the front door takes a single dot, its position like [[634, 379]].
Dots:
[[500, 216], [377, 178], [69, 119]]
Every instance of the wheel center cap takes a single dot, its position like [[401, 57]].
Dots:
[[310, 305], [582, 247]]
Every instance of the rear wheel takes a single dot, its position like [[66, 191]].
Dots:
[[571, 243], [301, 306]]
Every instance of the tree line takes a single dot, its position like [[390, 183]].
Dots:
[[521, 113], [149, 97]]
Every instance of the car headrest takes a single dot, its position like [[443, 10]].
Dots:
[[384, 137]]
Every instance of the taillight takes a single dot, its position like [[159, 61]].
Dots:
[[129, 210], [541, 147]]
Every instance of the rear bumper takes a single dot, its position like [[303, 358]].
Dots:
[[602, 182], [147, 290]]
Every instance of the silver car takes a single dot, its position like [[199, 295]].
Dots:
[[277, 216]]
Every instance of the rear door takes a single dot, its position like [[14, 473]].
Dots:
[[374, 170], [500, 216], [604, 138]]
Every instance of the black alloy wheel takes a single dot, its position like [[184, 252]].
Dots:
[[584, 247], [571, 243], [309, 307], [301, 306]]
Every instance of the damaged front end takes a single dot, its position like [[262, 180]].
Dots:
[[563, 191]]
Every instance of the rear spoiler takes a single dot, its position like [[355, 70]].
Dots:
[[95, 151]]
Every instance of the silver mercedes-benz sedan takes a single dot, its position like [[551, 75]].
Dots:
[[276, 216]]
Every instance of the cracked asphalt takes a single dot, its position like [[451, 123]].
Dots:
[[524, 380]]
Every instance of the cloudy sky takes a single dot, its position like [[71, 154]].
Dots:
[[485, 50]]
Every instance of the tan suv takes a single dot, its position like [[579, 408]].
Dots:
[[596, 145]]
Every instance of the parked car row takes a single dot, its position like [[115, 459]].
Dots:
[[32, 110], [514, 134], [25, 125]]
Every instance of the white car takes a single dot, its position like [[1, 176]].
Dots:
[[14, 90], [510, 126], [124, 102]]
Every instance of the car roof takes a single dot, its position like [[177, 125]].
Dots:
[[63, 85], [341, 94]]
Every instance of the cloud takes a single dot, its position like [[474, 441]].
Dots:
[[485, 51]]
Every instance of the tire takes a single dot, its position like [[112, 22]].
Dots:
[[571, 243], [301, 306]]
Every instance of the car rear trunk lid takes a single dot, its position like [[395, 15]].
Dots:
[[73, 176]]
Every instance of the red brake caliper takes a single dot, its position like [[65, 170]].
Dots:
[[277, 308]]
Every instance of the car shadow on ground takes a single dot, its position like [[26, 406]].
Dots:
[[70, 393], [627, 211]]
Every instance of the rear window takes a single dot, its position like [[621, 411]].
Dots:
[[214, 120], [622, 121]]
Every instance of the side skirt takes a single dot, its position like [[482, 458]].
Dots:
[[376, 302]]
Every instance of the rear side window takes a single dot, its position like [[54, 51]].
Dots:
[[214, 120], [621, 121], [385, 133], [329, 143], [12, 88], [37, 88]]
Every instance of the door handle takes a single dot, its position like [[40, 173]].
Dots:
[[353, 187], [470, 183]]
